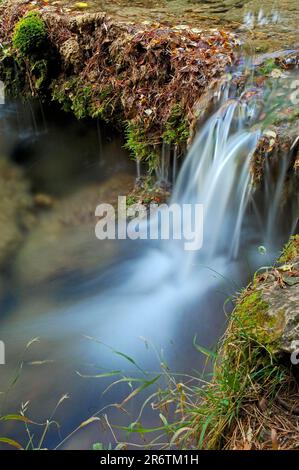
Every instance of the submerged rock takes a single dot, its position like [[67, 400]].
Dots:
[[64, 241], [15, 210]]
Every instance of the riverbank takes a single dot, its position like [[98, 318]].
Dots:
[[252, 400]]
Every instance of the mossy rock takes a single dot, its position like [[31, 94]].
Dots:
[[269, 309]]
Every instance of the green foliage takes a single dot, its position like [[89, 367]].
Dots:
[[39, 71], [73, 96], [101, 105], [100, 446], [29, 35], [28, 56], [267, 67], [81, 102], [137, 143], [177, 129], [61, 92]]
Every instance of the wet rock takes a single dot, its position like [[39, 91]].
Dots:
[[64, 241], [15, 210], [279, 290]]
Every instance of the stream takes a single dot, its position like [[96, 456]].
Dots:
[[119, 307]]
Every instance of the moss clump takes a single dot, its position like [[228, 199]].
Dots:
[[27, 61], [30, 35], [252, 315], [177, 128]]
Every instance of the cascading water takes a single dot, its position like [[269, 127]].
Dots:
[[158, 291]]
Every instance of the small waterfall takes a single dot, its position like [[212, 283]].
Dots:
[[164, 167], [216, 174], [138, 169], [174, 164], [162, 277]]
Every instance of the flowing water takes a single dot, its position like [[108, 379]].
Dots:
[[144, 305]]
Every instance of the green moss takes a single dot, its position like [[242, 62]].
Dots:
[[30, 35], [29, 55], [137, 144], [267, 67], [101, 106], [73, 96], [177, 128], [252, 317], [81, 100]]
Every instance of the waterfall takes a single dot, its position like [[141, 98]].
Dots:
[[160, 279], [216, 174]]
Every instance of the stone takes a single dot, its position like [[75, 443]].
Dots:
[[15, 205], [283, 301]]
